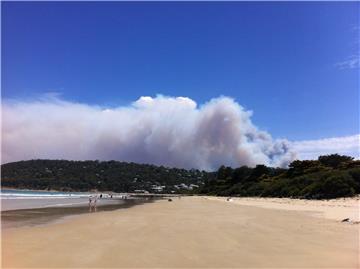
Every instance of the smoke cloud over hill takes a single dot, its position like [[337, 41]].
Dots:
[[170, 131]]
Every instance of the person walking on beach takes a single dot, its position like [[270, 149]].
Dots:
[[95, 201], [92, 203]]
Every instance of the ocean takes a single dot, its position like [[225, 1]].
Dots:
[[23, 199], [27, 207]]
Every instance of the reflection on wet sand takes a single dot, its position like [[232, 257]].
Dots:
[[39, 216]]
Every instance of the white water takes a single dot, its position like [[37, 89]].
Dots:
[[24, 199]]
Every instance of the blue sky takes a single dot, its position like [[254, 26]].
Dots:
[[288, 62]]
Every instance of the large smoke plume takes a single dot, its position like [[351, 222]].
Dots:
[[162, 130]]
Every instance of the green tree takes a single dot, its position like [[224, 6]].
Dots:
[[334, 160], [241, 174], [224, 173]]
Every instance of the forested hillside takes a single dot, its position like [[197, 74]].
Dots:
[[95, 175], [330, 176]]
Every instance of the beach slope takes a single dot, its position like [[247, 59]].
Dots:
[[190, 232]]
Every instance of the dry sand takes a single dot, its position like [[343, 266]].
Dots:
[[191, 232], [335, 209]]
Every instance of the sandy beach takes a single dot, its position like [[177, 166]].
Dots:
[[195, 232]]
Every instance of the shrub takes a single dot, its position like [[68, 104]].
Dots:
[[333, 186], [334, 160]]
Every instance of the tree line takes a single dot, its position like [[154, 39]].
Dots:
[[329, 176], [114, 176]]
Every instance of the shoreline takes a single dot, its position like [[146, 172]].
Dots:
[[332, 209], [47, 215], [355, 197]]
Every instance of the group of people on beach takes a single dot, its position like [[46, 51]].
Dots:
[[93, 201]]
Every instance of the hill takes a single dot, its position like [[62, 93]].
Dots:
[[330, 176], [102, 176]]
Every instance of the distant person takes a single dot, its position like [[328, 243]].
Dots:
[[100, 196], [92, 203], [95, 201]]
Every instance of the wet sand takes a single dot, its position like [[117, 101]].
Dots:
[[42, 216], [191, 232]]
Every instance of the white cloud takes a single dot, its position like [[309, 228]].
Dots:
[[352, 62], [171, 131], [311, 149]]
